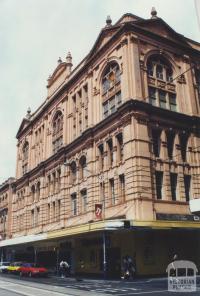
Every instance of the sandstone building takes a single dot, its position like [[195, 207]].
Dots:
[[107, 164]]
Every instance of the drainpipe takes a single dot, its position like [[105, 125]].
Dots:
[[104, 256]]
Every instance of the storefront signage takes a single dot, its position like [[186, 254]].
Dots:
[[177, 217], [98, 211]]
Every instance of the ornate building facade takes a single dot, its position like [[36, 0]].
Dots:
[[107, 164]]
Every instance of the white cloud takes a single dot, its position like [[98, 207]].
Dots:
[[34, 33]]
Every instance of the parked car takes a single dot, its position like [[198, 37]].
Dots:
[[4, 266], [14, 266], [32, 269]]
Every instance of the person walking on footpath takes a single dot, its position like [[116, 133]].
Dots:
[[64, 268]]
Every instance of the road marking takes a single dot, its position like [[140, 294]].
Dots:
[[141, 293], [29, 291]]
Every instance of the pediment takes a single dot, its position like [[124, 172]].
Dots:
[[23, 124], [160, 27], [57, 72], [105, 35]]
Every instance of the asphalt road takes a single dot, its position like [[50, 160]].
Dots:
[[53, 286]]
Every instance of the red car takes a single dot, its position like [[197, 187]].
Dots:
[[32, 269]]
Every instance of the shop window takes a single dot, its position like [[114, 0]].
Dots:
[[173, 183], [159, 184]]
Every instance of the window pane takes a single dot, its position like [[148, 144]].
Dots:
[[159, 184], [173, 180], [105, 109], [162, 99], [152, 96], [118, 98], [187, 181], [172, 102], [159, 72]]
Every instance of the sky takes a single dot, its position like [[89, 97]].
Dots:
[[35, 33]]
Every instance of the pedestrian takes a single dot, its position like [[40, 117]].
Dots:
[[64, 268], [124, 267], [131, 267]]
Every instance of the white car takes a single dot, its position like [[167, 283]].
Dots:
[[4, 266]]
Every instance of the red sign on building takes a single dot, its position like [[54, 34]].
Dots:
[[98, 211]]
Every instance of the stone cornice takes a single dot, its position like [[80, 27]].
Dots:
[[142, 111]]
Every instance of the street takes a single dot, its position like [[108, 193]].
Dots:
[[54, 286]]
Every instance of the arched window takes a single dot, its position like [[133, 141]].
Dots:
[[160, 74], [83, 167], [25, 151], [183, 138], [111, 88], [57, 136], [73, 171]]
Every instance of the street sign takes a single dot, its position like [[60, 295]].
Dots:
[[98, 211]]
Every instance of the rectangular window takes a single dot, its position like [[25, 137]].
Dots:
[[37, 218], [48, 212], [58, 209], [32, 218], [162, 99], [112, 105], [105, 109], [173, 182], [152, 96], [187, 182], [119, 147], [84, 200], [159, 184], [74, 204], [112, 191], [101, 157], [54, 210], [121, 187], [118, 98], [110, 152], [170, 144], [172, 102]]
